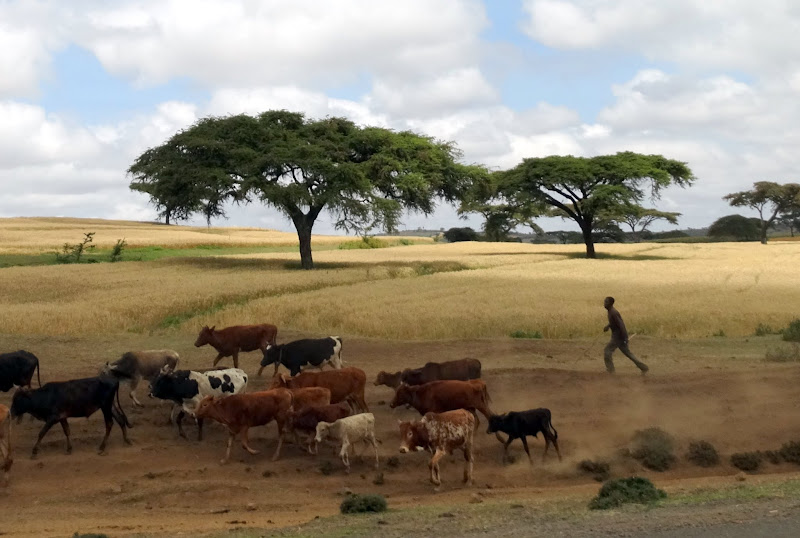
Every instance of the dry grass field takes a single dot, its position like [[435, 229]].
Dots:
[[417, 292]]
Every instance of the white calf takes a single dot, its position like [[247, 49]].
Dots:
[[350, 430]]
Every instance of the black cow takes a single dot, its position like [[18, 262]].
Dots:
[[17, 369], [458, 370], [309, 351], [519, 424], [58, 401]]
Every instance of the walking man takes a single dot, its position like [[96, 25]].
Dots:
[[619, 338]]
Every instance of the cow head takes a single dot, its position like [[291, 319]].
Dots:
[[205, 337], [402, 396], [272, 355], [322, 431], [412, 377], [205, 407], [280, 381], [105, 369], [162, 386], [390, 380], [21, 403], [413, 436], [496, 423]]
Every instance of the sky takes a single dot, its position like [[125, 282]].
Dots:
[[86, 86]]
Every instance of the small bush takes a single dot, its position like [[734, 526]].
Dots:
[[72, 253], [89, 535], [790, 452], [764, 330], [357, 504], [626, 490], [720, 334], [772, 456], [393, 462], [454, 235], [783, 354], [654, 448], [703, 453], [600, 470], [326, 468], [792, 332], [365, 242], [116, 252], [746, 461], [526, 334]]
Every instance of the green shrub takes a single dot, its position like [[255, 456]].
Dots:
[[790, 452], [655, 448], [703, 453], [746, 461], [764, 330], [357, 504], [454, 235], [526, 334], [783, 354], [89, 535], [600, 470], [72, 253], [116, 252], [772, 456], [626, 490], [365, 242], [719, 334], [792, 332]]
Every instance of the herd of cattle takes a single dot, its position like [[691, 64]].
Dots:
[[319, 405]]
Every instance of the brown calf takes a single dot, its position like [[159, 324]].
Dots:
[[440, 396], [344, 384], [460, 370], [310, 397], [231, 340], [240, 412], [5, 444], [440, 434], [305, 421], [388, 379]]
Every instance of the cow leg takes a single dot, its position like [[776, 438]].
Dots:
[[227, 457], [505, 448], [199, 428], [179, 420], [280, 442], [46, 428], [65, 427], [219, 358], [235, 359], [468, 460], [548, 440], [434, 467], [362, 403], [108, 417], [527, 451], [246, 441], [375, 446], [343, 453], [5, 450], [135, 383]]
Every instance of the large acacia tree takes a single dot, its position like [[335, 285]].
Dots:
[[364, 176], [769, 199], [587, 189]]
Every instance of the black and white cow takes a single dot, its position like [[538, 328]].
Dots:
[[57, 401], [16, 369], [520, 424], [185, 388], [134, 366], [307, 352]]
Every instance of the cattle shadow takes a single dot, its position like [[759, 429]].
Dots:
[[607, 256]]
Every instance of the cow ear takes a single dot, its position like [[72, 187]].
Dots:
[[212, 328]]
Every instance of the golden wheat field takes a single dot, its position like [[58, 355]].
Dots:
[[417, 292]]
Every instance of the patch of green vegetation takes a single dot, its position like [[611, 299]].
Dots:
[[719, 334], [740, 492], [365, 242], [621, 491], [792, 332], [783, 354], [746, 461], [790, 452], [89, 535], [358, 504], [764, 330], [526, 334], [703, 454]]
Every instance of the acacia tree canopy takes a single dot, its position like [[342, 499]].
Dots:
[[583, 189], [364, 176], [638, 218], [769, 199]]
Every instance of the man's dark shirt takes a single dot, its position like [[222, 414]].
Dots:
[[618, 330]]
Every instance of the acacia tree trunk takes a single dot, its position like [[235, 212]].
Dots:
[[166, 217], [304, 223], [588, 240]]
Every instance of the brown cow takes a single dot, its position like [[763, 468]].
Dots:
[[240, 412], [441, 396], [305, 421], [460, 370], [310, 397], [440, 434], [344, 384], [5, 443], [231, 340]]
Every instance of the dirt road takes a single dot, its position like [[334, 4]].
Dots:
[[164, 484]]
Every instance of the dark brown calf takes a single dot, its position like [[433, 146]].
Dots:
[[231, 340], [459, 370], [305, 421]]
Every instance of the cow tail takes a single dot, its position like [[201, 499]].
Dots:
[[119, 409], [38, 378], [555, 433], [486, 394]]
